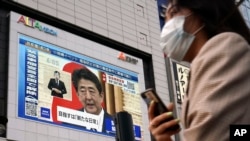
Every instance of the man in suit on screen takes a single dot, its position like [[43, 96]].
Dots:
[[90, 94], [57, 86]]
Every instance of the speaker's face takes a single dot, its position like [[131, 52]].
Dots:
[[89, 96]]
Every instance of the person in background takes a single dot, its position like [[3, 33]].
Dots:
[[90, 94], [57, 86], [212, 36]]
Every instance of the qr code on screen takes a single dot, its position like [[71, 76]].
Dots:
[[30, 109]]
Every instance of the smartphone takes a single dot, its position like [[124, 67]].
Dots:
[[150, 94]]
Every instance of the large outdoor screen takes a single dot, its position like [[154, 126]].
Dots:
[[46, 92]]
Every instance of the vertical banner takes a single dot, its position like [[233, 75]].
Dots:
[[49, 92], [181, 74], [178, 83], [178, 80]]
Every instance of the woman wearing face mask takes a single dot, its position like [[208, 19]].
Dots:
[[213, 37]]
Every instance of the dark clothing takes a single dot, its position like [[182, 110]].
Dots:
[[106, 116], [60, 86]]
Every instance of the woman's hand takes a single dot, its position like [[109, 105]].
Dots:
[[159, 129]]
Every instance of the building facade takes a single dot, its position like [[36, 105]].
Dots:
[[117, 40]]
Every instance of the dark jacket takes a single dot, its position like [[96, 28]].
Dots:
[[61, 87], [106, 117]]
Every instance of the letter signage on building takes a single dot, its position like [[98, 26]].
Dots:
[[27, 21]]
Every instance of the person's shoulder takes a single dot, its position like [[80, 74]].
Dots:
[[224, 43], [227, 39], [231, 35], [224, 47], [107, 115]]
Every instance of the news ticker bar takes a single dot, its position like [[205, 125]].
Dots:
[[239, 132]]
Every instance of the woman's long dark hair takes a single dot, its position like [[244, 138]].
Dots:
[[218, 16]]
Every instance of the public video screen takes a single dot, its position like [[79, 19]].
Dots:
[[65, 88]]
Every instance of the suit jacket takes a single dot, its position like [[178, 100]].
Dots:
[[106, 116], [219, 89], [61, 87]]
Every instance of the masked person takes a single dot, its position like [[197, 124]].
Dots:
[[212, 36]]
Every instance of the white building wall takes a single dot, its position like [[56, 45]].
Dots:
[[132, 22], [245, 10]]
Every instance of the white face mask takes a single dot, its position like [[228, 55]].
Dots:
[[174, 41]]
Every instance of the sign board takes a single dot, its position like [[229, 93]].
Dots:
[[178, 76], [38, 62]]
